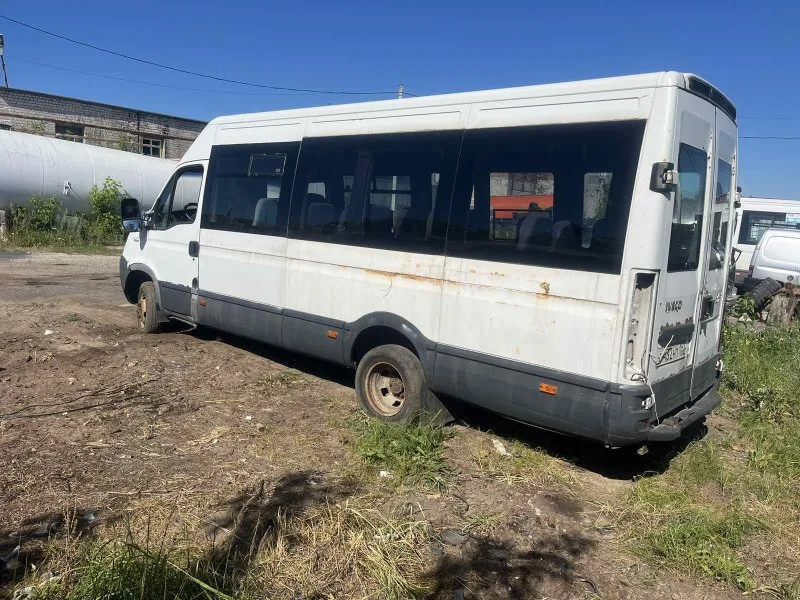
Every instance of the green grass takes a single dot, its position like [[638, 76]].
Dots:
[[676, 528], [53, 241], [349, 549], [124, 569], [763, 374], [727, 490], [410, 452]]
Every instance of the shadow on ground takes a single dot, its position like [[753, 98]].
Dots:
[[622, 463], [251, 519], [290, 360], [25, 546], [619, 463], [492, 569]]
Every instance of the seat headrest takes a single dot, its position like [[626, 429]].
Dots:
[[320, 214]]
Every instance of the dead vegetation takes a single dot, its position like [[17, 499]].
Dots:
[[193, 465]]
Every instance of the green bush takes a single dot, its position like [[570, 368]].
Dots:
[[45, 225]]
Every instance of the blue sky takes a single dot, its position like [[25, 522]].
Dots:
[[749, 50]]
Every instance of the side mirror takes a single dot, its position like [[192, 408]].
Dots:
[[663, 177], [129, 208]]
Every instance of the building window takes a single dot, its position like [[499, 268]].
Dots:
[[153, 147], [73, 133]]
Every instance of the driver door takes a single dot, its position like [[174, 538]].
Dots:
[[171, 246]]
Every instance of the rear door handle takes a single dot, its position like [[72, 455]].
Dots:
[[708, 307], [194, 249]]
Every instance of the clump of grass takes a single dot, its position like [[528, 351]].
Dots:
[[522, 464], [129, 569], [671, 526], [349, 549], [480, 522], [411, 452]]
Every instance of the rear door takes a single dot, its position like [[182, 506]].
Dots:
[[676, 322], [717, 254]]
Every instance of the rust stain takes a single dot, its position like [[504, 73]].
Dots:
[[410, 277], [545, 287]]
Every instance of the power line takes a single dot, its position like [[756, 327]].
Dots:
[[769, 137], [782, 118], [194, 73], [164, 85]]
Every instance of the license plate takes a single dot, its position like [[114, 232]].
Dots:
[[673, 353]]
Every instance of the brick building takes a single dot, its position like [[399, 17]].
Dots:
[[140, 131]]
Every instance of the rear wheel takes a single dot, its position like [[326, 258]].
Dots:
[[390, 383], [147, 308], [763, 292]]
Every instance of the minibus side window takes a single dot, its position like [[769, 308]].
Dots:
[[177, 204], [249, 187], [556, 196], [379, 191], [688, 210]]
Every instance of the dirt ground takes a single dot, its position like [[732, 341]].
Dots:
[[98, 418]]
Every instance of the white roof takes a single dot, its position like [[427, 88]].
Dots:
[[611, 98]]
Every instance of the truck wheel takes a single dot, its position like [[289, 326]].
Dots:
[[390, 383], [147, 308], [763, 292]]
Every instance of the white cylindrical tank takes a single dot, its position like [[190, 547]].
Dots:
[[36, 165]]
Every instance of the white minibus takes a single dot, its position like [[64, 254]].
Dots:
[[554, 253], [753, 217]]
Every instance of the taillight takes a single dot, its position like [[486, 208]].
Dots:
[[640, 317]]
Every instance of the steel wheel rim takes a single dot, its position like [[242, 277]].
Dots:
[[385, 389], [141, 311]]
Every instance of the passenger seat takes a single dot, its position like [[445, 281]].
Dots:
[[380, 219], [534, 230], [563, 236], [266, 213], [320, 214]]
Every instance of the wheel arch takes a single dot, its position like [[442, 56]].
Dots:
[[137, 275], [379, 328]]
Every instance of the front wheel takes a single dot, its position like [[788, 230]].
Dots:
[[147, 308], [390, 383]]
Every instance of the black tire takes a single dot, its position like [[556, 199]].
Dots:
[[390, 384], [762, 293], [147, 308]]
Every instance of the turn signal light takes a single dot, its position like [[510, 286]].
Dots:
[[546, 388]]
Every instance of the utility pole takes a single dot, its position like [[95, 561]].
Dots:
[[3, 58], [399, 91]]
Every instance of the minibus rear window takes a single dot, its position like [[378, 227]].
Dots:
[[688, 210]]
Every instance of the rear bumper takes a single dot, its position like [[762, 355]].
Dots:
[[616, 414], [672, 427]]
